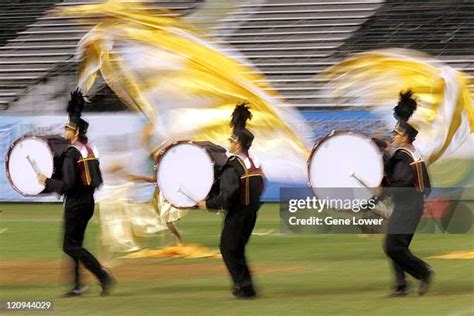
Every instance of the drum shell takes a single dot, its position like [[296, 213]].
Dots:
[[56, 144], [321, 142], [217, 154]]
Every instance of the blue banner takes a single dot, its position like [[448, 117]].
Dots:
[[117, 138]]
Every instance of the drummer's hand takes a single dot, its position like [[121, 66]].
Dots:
[[42, 178], [202, 205]]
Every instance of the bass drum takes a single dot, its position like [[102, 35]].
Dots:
[[30, 155], [345, 165], [187, 171]]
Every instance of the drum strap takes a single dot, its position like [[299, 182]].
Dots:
[[85, 150], [417, 167], [253, 171], [89, 167]]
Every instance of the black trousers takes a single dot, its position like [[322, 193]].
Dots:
[[397, 249], [238, 227], [76, 218]]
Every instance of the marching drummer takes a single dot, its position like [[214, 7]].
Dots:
[[78, 183], [407, 177], [240, 188]]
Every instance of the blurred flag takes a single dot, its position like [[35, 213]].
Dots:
[[444, 117], [187, 83]]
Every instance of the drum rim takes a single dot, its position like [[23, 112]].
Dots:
[[7, 158], [324, 139], [160, 156]]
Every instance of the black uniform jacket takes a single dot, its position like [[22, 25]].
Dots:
[[239, 189], [408, 182], [69, 182]]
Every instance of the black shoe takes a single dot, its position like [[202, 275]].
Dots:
[[107, 283], [425, 282], [76, 291], [246, 292], [399, 292], [236, 291]]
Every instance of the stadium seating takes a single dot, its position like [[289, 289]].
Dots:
[[290, 41], [46, 48]]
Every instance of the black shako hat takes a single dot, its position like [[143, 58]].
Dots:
[[74, 109], [402, 112], [238, 121]]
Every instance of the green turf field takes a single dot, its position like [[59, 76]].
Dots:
[[299, 274]]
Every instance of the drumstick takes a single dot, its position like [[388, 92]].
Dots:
[[352, 174], [33, 165], [186, 194]]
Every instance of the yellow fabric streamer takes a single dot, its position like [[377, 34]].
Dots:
[[157, 64], [190, 251], [444, 118], [187, 84], [466, 255]]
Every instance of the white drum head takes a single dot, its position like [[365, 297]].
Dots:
[[21, 173], [185, 174], [345, 160]]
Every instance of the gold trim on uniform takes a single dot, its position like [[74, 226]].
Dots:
[[419, 172]]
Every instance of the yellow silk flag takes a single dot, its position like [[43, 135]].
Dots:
[[186, 83], [445, 115]]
